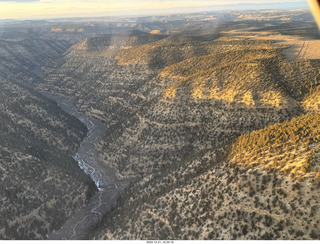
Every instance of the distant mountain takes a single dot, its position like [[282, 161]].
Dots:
[[235, 7], [261, 6]]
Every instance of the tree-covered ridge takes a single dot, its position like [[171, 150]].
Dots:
[[250, 72], [207, 199], [165, 52], [124, 40], [290, 148], [236, 72], [226, 68]]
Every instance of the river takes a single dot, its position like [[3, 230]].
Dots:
[[109, 186]]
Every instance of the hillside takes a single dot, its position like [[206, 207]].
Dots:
[[217, 132], [42, 185], [149, 130], [290, 148], [22, 61], [208, 198], [311, 102], [249, 72], [168, 51], [206, 100], [124, 40]]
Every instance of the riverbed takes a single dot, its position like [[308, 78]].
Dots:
[[109, 187]]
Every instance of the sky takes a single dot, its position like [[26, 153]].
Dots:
[[46, 9]]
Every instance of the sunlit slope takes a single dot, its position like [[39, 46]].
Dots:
[[290, 148], [311, 102], [208, 198], [41, 185], [253, 73], [248, 72]]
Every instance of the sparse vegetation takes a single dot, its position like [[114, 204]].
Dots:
[[41, 184], [210, 126], [290, 148]]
